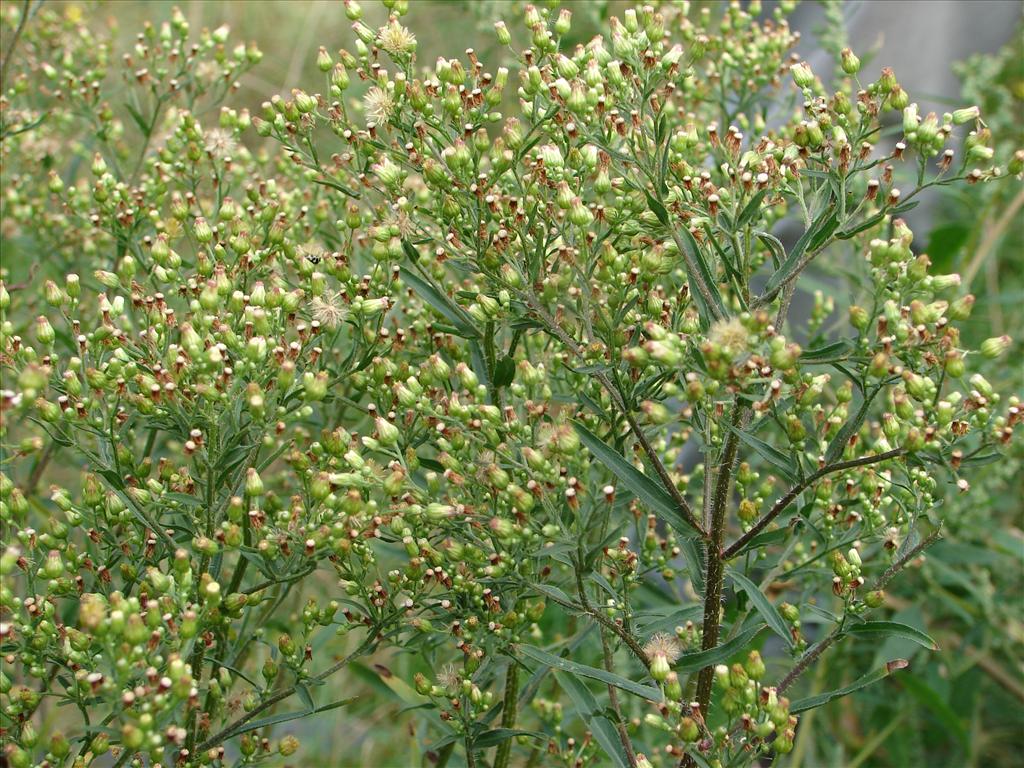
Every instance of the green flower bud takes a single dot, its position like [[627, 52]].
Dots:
[[802, 75], [966, 115], [849, 62], [995, 347]]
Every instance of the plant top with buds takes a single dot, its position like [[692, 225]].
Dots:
[[496, 364]]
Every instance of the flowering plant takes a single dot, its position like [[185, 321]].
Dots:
[[499, 363]]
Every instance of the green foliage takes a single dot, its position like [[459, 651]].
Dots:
[[476, 386]]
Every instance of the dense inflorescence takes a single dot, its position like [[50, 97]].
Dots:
[[472, 350]]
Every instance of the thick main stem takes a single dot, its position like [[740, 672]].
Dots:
[[716, 563], [508, 714]]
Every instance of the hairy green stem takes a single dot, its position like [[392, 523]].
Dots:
[[613, 699], [508, 713]]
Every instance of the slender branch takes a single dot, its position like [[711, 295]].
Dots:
[[607, 623], [284, 693], [613, 699], [14, 43], [659, 468], [799, 488], [815, 651]]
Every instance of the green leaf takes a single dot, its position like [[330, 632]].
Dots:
[[750, 211], [893, 629], [590, 712], [504, 371], [557, 662], [691, 662], [774, 246], [498, 735], [284, 717], [837, 351], [764, 539], [139, 121], [709, 311], [560, 597], [693, 554], [785, 464], [657, 208], [763, 606], [868, 223], [927, 695], [410, 250], [820, 229], [441, 303], [813, 702], [646, 489], [850, 428], [340, 187], [306, 696]]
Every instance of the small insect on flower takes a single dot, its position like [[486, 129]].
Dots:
[[328, 310], [378, 105], [311, 252], [662, 649]]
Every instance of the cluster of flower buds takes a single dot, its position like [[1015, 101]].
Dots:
[[451, 345]]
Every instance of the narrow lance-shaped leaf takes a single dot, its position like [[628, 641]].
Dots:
[[589, 711], [647, 490], [785, 464], [826, 221], [763, 606], [691, 662], [711, 307], [557, 662], [813, 702], [751, 210], [441, 303], [893, 629]]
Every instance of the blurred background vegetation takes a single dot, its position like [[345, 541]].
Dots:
[[961, 706]]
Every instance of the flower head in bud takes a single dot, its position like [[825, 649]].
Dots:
[[966, 115], [802, 74], [995, 347], [849, 62]]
